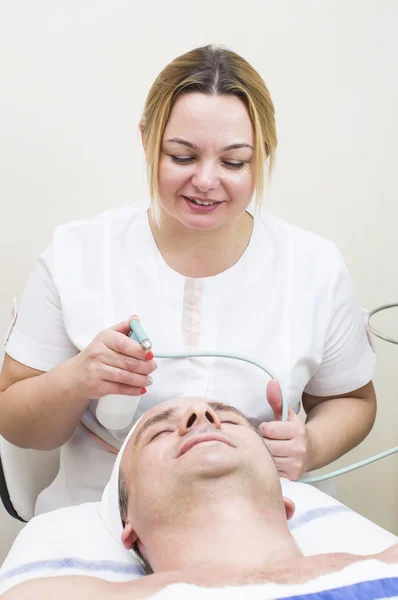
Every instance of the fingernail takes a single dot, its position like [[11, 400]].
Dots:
[[150, 380], [143, 391], [149, 356]]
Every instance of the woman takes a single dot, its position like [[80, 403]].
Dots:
[[203, 273]]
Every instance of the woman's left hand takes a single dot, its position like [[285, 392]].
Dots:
[[288, 440]]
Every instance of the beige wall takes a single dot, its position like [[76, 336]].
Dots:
[[74, 76]]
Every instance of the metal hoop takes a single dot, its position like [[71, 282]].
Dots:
[[374, 331]]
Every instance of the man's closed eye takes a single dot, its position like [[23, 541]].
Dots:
[[158, 433]]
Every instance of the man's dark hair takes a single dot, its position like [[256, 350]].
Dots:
[[123, 502]]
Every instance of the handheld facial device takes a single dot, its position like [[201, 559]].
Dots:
[[138, 334]]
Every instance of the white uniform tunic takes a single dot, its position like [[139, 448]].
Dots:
[[288, 303]]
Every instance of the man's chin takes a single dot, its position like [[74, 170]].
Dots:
[[209, 461]]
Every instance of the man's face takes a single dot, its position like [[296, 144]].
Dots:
[[182, 449]]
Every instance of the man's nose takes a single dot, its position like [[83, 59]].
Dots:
[[199, 413]]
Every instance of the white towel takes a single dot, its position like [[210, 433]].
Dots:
[[368, 580], [110, 498]]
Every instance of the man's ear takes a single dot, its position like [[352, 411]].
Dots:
[[129, 536], [289, 507]]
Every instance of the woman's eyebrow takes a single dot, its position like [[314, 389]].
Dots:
[[184, 143], [235, 146]]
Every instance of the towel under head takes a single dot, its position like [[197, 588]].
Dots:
[[109, 509]]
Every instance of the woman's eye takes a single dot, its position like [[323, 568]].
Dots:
[[182, 160], [186, 160], [233, 164], [160, 433]]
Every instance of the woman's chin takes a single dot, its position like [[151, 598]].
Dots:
[[200, 220]]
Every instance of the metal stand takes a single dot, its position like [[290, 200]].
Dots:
[[374, 331]]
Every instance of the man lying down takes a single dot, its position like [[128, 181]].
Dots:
[[195, 491]]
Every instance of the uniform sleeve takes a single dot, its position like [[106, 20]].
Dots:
[[38, 338], [348, 361]]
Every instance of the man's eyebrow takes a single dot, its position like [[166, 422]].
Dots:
[[221, 407], [236, 146], [163, 416]]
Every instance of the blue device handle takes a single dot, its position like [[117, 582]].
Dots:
[[138, 334]]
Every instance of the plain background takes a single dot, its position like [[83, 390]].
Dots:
[[74, 76]]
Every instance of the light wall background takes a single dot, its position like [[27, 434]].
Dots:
[[74, 75]]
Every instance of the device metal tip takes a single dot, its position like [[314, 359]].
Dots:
[[146, 344]]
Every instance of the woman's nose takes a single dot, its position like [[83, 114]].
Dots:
[[205, 178], [199, 413]]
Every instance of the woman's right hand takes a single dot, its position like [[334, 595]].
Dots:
[[112, 363]]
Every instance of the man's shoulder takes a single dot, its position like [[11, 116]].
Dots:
[[389, 556]]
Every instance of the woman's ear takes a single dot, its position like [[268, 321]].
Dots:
[[143, 134], [129, 536], [289, 507]]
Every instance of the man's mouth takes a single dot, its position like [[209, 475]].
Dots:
[[195, 440]]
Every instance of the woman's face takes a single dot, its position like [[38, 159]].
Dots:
[[206, 169]]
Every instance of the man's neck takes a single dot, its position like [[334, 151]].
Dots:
[[228, 535], [195, 253]]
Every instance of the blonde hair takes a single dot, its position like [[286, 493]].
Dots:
[[209, 70]]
